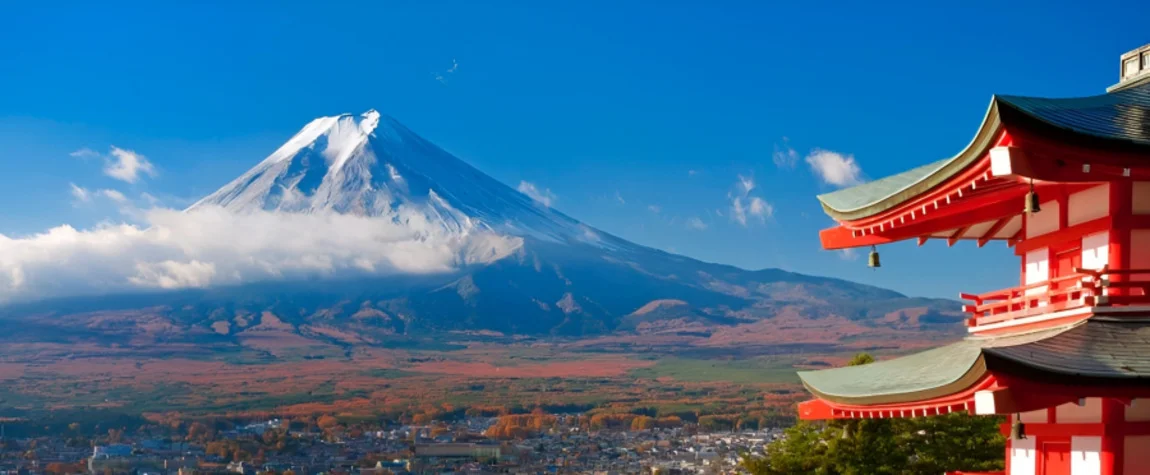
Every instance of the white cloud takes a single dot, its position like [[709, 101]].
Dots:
[[210, 246], [835, 168], [121, 164], [738, 211], [760, 208], [747, 184], [442, 77], [743, 204], [85, 153], [114, 195], [543, 196], [80, 194], [654, 209], [152, 201], [619, 198], [785, 156], [695, 223], [691, 172], [126, 165]]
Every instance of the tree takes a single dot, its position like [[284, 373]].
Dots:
[[926, 445], [643, 423]]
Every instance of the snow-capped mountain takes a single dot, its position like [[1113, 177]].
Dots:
[[523, 267], [371, 165]]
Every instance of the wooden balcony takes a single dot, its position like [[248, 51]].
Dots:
[[1082, 288]]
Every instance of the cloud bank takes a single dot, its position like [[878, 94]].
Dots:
[[209, 246]]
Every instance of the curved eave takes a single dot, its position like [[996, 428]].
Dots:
[[837, 204], [1115, 122], [927, 375]]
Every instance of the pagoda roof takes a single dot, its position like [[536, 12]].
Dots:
[[1105, 347], [1109, 351], [1119, 120]]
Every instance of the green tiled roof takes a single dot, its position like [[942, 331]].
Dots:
[[1121, 117], [929, 374], [897, 380], [860, 196]]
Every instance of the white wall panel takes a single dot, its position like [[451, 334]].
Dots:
[[1088, 205], [1022, 457], [1073, 413], [1095, 250], [1086, 455], [1045, 221]]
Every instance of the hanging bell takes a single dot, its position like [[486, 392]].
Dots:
[[1032, 201], [872, 260], [1018, 429]]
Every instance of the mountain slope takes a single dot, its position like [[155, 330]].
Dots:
[[534, 271]]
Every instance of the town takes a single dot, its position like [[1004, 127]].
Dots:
[[465, 446]]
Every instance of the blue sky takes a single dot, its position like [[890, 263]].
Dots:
[[639, 118]]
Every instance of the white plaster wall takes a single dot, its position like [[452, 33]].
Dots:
[[1044, 221], [1087, 205], [1086, 455], [1037, 269], [1136, 454], [1139, 410], [1096, 250], [1022, 457], [1141, 197], [1033, 417], [1073, 413]]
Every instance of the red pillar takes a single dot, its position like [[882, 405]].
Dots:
[[1121, 208], [1113, 441]]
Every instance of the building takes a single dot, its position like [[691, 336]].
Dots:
[[458, 450], [1065, 355]]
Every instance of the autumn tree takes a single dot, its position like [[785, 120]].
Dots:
[[643, 423]]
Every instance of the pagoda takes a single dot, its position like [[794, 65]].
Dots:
[[1065, 355]]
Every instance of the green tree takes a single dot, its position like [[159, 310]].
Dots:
[[926, 445]]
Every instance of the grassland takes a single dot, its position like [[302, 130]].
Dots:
[[737, 372]]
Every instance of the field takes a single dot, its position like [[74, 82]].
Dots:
[[756, 371], [144, 366]]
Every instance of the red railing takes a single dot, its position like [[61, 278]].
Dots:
[[1085, 287]]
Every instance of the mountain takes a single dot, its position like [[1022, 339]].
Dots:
[[371, 165], [531, 269]]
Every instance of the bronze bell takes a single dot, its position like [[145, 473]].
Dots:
[[1018, 429], [1031, 201], [872, 260]]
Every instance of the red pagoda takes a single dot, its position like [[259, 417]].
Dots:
[[1065, 354]]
